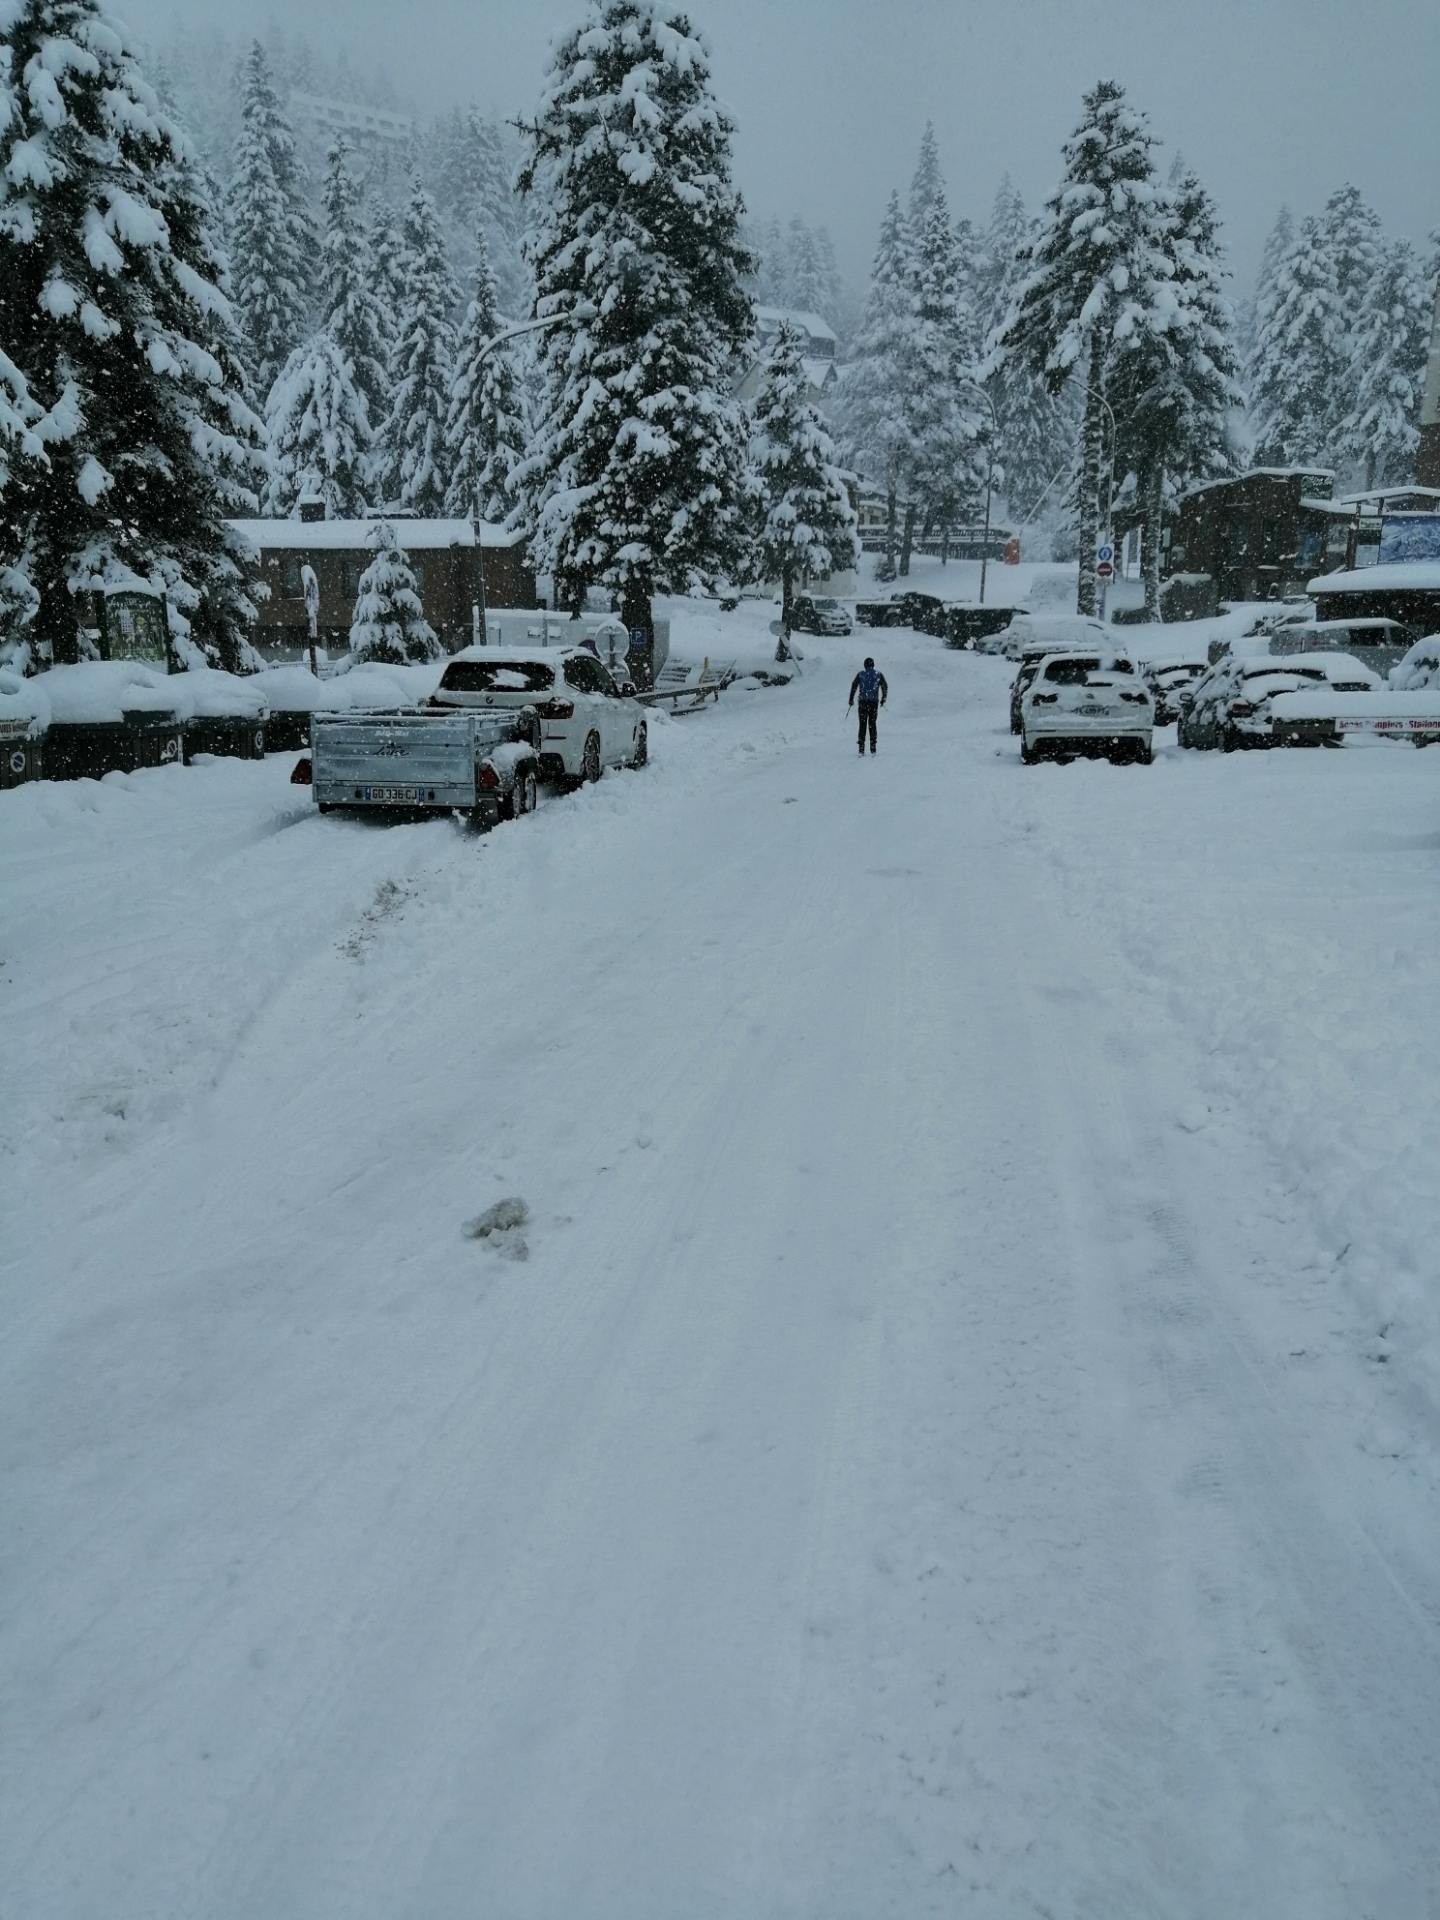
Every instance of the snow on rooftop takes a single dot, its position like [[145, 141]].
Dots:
[[329, 536], [771, 319], [1261, 473], [1399, 576]]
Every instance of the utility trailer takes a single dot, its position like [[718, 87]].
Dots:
[[485, 765]]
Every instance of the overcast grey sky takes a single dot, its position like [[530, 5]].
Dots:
[[1271, 100]]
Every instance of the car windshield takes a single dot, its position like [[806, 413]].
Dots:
[[826, 606], [498, 676]]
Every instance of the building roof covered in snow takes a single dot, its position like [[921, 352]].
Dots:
[[1401, 576], [415, 536], [819, 332]]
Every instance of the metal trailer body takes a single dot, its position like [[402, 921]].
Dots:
[[435, 761]]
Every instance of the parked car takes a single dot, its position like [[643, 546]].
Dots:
[[971, 626], [1419, 671], [811, 614], [1169, 680], [1032, 655], [1061, 631], [1229, 707], [1382, 644], [924, 612], [1087, 703], [588, 722]]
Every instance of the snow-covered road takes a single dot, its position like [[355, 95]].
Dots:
[[964, 1438]]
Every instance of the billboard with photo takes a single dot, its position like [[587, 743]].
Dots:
[[1410, 536]]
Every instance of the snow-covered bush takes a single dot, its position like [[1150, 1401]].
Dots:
[[390, 624]]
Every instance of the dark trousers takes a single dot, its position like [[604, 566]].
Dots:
[[869, 710]]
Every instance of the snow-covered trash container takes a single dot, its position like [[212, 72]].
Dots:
[[111, 716], [24, 717], [224, 713]]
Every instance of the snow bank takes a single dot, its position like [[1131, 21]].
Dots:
[[296, 690], [101, 691], [22, 704]]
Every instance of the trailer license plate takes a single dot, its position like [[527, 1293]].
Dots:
[[391, 796]]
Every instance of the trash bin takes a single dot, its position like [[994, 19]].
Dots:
[[22, 753], [89, 749], [287, 731], [238, 736]]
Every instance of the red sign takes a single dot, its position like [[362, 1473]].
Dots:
[[1104, 570]]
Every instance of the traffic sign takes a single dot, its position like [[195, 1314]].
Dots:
[[1105, 553], [1104, 570]]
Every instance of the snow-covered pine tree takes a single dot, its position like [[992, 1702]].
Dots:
[[767, 249], [927, 183], [1036, 431], [878, 419], [949, 419], [272, 243], [495, 208], [1176, 392], [637, 477], [829, 283], [1098, 280], [113, 310], [1260, 308], [809, 292], [1390, 346], [485, 425], [805, 525], [1355, 246], [22, 455], [389, 626], [349, 304], [1301, 354], [319, 432], [413, 467]]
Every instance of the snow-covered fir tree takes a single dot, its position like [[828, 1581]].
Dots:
[[114, 314], [1098, 281], [1390, 346], [389, 624], [878, 418], [949, 418], [637, 475], [1260, 308], [413, 468], [805, 524], [350, 306], [1354, 243], [1301, 358], [1037, 434], [485, 425], [386, 249], [765, 243], [1175, 393], [319, 432], [272, 242]]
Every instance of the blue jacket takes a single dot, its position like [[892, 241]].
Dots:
[[870, 685]]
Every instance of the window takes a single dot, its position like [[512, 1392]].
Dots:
[[291, 585], [351, 567], [583, 675], [498, 676], [417, 567]]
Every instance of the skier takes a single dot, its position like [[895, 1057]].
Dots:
[[873, 692]]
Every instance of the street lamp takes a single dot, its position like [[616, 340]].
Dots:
[[986, 396], [582, 310]]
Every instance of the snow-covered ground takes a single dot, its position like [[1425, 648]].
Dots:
[[963, 1439]]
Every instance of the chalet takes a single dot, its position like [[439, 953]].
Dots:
[[1262, 534], [820, 348], [457, 576]]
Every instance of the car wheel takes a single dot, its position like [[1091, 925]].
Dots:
[[641, 755], [524, 795], [590, 767], [1229, 740], [1029, 756], [1145, 754]]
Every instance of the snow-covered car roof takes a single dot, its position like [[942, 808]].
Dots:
[[528, 656], [1421, 665], [1041, 626], [1094, 660], [1397, 576], [1341, 666]]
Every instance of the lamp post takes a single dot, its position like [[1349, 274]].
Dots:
[[986, 396], [583, 310]]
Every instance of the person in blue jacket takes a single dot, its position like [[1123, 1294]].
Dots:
[[870, 689]]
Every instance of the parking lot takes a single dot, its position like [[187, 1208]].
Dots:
[[980, 1241]]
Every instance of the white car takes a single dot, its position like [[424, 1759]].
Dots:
[[1090, 703], [587, 721]]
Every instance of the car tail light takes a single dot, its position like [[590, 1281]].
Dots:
[[1126, 694], [303, 774], [488, 776], [1241, 709], [1045, 699], [556, 710]]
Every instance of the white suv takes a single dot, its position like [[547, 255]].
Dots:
[[1091, 703], [587, 723]]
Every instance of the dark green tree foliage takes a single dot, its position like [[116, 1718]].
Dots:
[[1391, 348], [485, 425], [1356, 248], [805, 523], [1036, 429], [1098, 280], [115, 319], [272, 241], [950, 421], [1278, 244], [1301, 358], [637, 476]]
